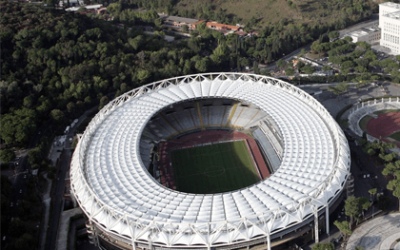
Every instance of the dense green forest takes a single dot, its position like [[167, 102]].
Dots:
[[56, 64]]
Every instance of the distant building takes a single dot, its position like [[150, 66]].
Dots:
[[72, 3], [97, 8], [389, 22], [369, 35], [222, 27], [179, 22]]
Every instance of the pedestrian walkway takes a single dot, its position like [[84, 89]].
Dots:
[[62, 236], [46, 201], [380, 233]]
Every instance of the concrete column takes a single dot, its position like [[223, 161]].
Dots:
[[316, 226], [133, 245], [269, 241], [97, 239], [327, 218]]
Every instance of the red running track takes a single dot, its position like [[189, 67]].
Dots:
[[191, 140], [385, 125]]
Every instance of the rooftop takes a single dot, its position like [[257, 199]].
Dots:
[[390, 4], [181, 19], [222, 26], [363, 31], [114, 188], [96, 6], [393, 15]]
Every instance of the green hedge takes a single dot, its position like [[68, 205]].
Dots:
[[342, 111]]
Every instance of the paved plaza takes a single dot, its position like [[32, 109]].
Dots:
[[380, 233]]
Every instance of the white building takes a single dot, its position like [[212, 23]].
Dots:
[[389, 22], [72, 3], [368, 34]]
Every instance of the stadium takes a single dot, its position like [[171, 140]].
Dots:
[[218, 160]]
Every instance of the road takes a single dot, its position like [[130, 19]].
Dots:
[[334, 105], [286, 57], [22, 173], [57, 198], [57, 201], [373, 21]]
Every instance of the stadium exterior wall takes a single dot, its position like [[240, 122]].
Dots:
[[273, 221]]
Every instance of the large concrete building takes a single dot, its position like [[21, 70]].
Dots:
[[127, 208], [389, 22], [369, 35]]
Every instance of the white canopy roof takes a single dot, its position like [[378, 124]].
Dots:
[[115, 190]]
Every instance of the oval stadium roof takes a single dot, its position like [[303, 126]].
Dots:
[[117, 193]]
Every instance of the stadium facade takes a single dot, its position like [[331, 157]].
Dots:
[[127, 208]]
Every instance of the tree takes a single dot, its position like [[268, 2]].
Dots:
[[57, 115], [384, 202], [289, 71], [103, 101], [394, 186], [35, 156], [321, 246], [391, 168], [16, 228], [142, 75], [339, 89], [352, 208], [28, 101], [280, 63], [17, 126], [26, 241], [219, 54], [359, 248], [333, 35], [388, 157], [372, 192], [308, 69], [346, 65], [348, 39], [343, 227], [379, 146], [185, 28], [6, 155], [326, 68], [256, 68], [71, 107], [364, 203], [202, 65]]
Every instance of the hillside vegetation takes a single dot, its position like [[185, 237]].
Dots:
[[258, 13]]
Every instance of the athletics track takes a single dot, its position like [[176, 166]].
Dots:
[[385, 125]]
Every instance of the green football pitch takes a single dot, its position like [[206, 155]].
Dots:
[[214, 168]]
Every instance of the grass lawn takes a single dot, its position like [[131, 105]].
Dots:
[[386, 111], [214, 168], [395, 136], [364, 121]]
